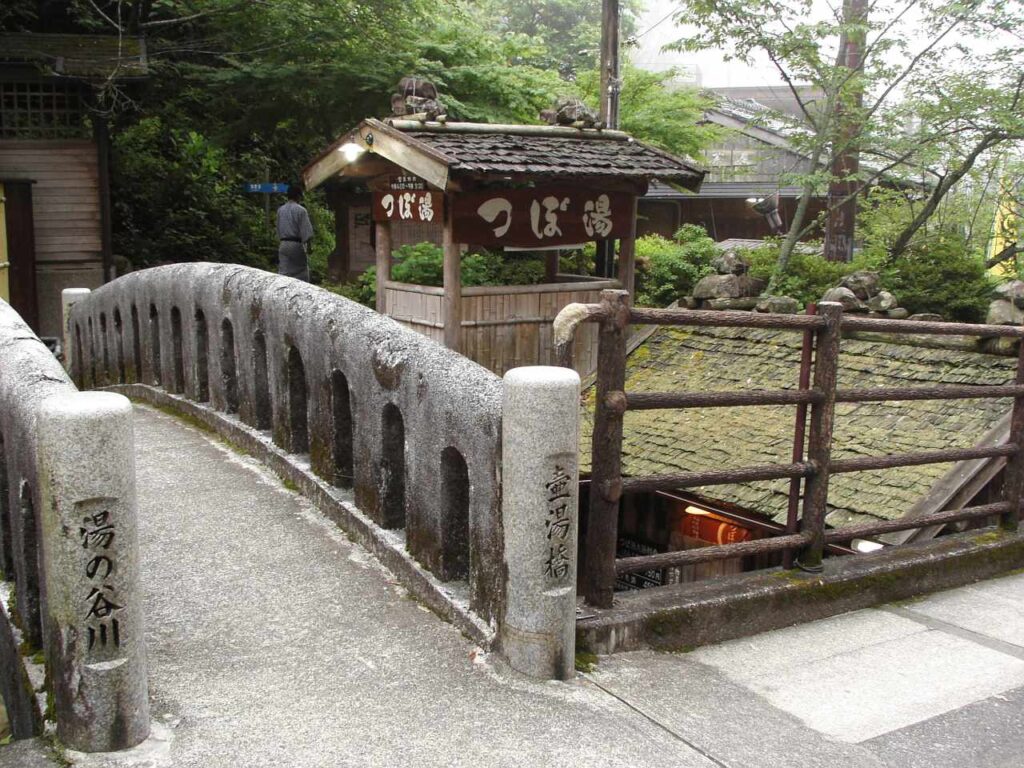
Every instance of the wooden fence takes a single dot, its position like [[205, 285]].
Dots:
[[806, 536], [503, 326]]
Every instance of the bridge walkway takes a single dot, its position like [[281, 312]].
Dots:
[[274, 641]]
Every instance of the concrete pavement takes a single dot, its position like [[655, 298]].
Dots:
[[273, 641]]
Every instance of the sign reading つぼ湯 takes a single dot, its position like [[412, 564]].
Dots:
[[409, 205], [541, 217]]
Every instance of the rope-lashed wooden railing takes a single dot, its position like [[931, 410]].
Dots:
[[814, 466]]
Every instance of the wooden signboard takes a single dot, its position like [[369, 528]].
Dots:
[[541, 217], [410, 205]]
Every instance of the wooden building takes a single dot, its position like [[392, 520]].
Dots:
[[500, 187], [54, 171], [750, 162]]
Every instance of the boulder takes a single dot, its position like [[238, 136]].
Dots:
[[1003, 312], [883, 301], [897, 313], [744, 304], [927, 317], [728, 287], [1012, 291], [779, 305], [846, 297], [728, 263], [688, 302], [864, 284]]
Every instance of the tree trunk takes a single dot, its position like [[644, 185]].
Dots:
[[988, 141], [795, 227]]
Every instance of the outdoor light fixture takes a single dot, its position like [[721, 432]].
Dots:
[[769, 208], [351, 151]]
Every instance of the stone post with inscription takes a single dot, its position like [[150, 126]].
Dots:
[[93, 628], [540, 475]]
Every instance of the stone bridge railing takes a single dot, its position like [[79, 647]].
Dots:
[[350, 396], [68, 544]]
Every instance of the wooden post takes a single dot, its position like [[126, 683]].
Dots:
[[627, 256], [339, 260], [452, 302], [606, 454], [551, 266], [101, 133], [1013, 482], [610, 85], [819, 450], [383, 262]]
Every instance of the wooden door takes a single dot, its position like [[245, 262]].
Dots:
[[21, 250]]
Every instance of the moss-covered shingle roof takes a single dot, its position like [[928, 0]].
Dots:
[[710, 359]]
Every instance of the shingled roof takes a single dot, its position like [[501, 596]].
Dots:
[[438, 152], [590, 153], [708, 359]]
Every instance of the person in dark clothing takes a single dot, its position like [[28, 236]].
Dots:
[[294, 230]]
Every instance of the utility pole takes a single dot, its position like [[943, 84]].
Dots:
[[610, 70], [842, 203], [608, 109]]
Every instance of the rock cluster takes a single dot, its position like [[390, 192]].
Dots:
[[1007, 307], [733, 288], [730, 288], [861, 291]]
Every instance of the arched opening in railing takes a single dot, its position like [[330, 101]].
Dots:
[[105, 368], [298, 399], [77, 366], [136, 346], [392, 468], [263, 410], [342, 430], [122, 376], [30, 557], [177, 353], [202, 358], [455, 514], [7, 566], [92, 356], [154, 342], [228, 368]]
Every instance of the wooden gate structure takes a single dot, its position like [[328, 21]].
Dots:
[[499, 187], [806, 533]]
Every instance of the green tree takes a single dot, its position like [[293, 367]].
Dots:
[[954, 65], [653, 110], [566, 34]]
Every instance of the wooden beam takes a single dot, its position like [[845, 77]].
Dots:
[[557, 131], [339, 260], [383, 263], [627, 256], [381, 140], [452, 301]]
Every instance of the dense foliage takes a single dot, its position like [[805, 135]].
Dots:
[[423, 264], [668, 269], [943, 277]]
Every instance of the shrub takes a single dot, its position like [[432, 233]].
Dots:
[[943, 277], [423, 264], [668, 269], [809, 274]]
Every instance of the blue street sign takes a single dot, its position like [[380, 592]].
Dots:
[[275, 186]]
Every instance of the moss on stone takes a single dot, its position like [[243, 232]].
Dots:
[[585, 661]]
